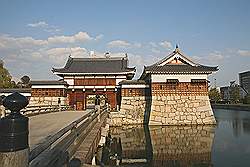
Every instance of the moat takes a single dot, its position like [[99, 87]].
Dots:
[[226, 144]]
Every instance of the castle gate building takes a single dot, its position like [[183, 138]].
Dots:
[[176, 93], [87, 77], [179, 90]]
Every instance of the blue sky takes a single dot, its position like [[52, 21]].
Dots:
[[38, 35]]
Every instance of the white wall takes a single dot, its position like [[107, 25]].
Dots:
[[180, 77], [48, 86], [24, 94], [69, 81], [135, 86], [119, 80]]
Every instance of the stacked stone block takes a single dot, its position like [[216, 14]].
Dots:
[[47, 101], [181, 110], [131, 112], [165, 110]]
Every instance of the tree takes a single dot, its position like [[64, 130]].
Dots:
[[234, 92], [214, 95], [5, 77], [246, 99]]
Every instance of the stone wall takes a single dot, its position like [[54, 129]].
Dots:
[[164, 110], [47, 101], [165, 106], [132, 111], [181, 110]]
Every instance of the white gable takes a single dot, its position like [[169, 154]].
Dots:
[[177, 56]]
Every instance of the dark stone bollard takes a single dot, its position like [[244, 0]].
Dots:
[[14, 133]]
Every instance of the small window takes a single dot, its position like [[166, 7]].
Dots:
[[198, 80]]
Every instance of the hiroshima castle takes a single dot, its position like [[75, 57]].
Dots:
[[172, 91]]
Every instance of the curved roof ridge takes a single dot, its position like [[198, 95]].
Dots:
[[100, 58], [95, 65]]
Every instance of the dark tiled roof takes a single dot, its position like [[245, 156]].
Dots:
[[132, 82], [180, 69], [51, 82], [95, 65], [19, 90], [224, 87], [245, 73], [188, 65]]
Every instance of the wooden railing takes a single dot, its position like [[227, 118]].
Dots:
[[34, 110], [60, 147]]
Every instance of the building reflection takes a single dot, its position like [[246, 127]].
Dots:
[[240, 123], [182, 146], [241, 126], [246, 126]]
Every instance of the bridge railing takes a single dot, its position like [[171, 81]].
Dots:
[[35, 110], [58, 148], [30, 110]]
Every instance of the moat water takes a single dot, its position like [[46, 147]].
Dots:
[[226, 144]]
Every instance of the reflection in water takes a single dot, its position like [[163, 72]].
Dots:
[[181, 146], [237, 121], [112, 151], [231, 143], [246, 126]]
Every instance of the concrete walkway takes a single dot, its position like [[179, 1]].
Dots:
[[44, 125]]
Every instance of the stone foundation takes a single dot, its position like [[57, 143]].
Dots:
[[164, 110], [47, 101], [131, 111], [181, 110]]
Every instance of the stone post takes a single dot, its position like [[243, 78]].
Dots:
[[97, 107], [14, 145], [2, 109], [59, 104]]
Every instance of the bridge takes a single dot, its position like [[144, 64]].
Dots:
[[42, 126], [57, 134]]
